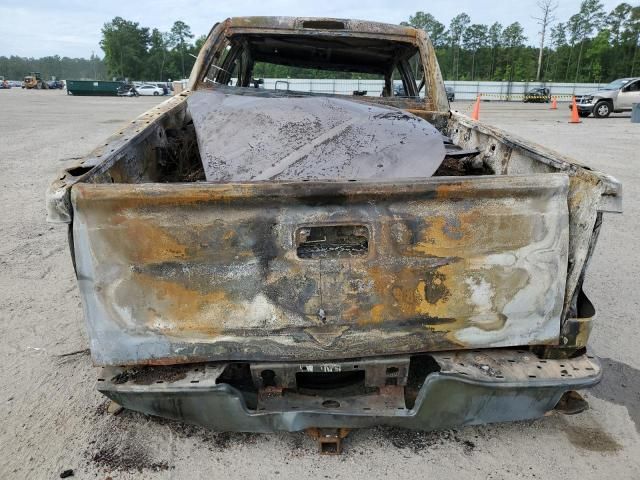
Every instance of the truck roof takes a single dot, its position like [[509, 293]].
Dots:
[[312, 25]]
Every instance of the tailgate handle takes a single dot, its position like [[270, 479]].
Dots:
[[332, 241]]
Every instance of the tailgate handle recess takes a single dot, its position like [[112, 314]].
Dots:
[[332, 241]]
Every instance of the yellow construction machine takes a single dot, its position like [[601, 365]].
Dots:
[[33, 80]]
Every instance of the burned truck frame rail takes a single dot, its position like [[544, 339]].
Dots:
[[333, 302]]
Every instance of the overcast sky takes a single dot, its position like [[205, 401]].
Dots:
[[35, 28]]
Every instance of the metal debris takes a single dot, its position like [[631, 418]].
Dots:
[[263, 136]]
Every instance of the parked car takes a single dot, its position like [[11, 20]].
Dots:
[[147, 89], [164, 86], [537, 95], [451, 93], [127, 90], [56, 84], [617, 96], [398, 90], [4, 84], [267, 259]]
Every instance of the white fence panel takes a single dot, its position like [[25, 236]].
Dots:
[[494, 91]]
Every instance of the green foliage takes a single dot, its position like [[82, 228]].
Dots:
[[474, 38], [590, 46], [125, 46], [181, 34], [428, 23], [135, 53], [15, 68], [158, 54]]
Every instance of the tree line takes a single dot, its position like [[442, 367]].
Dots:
[[135, 52], [15, 68], [592, 45], [131, 51]]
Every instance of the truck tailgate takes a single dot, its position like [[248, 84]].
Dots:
[[277, 271]]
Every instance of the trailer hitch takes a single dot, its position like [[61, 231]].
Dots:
[[329, 439]]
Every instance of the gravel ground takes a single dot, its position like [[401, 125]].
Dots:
[[54, 420]]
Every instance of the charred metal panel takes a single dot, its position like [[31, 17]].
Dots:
[[589, 191], [124, 157], [183, 273], [315, 25], [287, 138]]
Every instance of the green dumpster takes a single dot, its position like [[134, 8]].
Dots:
[[92, 87]]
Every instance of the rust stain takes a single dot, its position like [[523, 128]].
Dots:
[[123, 197], [449, 190], [377, 313], [184, 311], [351, 313], [229, 235], [143, 241], [468, 233], [171, 308], [401, 295]]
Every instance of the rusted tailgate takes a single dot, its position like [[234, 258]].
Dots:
[[193, 272]]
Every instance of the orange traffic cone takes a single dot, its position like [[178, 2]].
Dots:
[[554, 104], [475, 115], [575, 118]]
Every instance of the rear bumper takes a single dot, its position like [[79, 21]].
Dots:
[[470, 388]]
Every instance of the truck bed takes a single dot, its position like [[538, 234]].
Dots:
[[177, 271]]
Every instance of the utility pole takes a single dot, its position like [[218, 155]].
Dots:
[[547, 7]]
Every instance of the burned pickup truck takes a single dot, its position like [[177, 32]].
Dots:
[[256, 259]]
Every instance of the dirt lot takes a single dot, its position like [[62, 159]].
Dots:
[[53, 419]]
